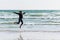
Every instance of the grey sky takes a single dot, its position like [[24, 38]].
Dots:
[[29, 4]]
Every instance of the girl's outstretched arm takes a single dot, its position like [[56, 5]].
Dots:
[[15, 13], [24, 13]]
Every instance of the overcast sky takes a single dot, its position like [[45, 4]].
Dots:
[[29, 4]]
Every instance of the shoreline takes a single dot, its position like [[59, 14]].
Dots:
[[27, 31]]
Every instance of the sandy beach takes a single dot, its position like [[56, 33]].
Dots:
[[32, 35]]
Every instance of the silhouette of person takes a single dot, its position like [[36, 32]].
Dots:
[[20, 17]]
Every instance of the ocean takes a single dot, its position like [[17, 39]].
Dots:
[[33, 19]]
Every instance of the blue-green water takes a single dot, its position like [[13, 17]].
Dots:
[[32, 19]]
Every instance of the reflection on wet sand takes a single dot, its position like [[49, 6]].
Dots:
[[20, 37]]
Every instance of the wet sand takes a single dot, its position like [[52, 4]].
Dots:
[[41, 35]]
